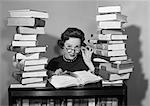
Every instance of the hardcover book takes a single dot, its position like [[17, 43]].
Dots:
[[33, 22], [111, 42], [109, 9], [27, 56], [25, 50], [122, 64], [106, 75], [32, 68], [110, 46], [111, 17], [28, 13], [109, 53], [23, 37], [24, 43], [110, 25], [108, 37], [30, 80], [33, 85], [112, 31], [108, 67], [112, 83], [22, 63], [74, 79], [112, 58], [94, 41], [22, 74], [30, 30]]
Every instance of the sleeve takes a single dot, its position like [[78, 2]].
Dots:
[[83, 65], [51, 67]]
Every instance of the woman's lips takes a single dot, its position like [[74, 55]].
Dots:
[[72, 55]]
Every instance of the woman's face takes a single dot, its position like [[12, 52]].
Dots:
[[72, 47]]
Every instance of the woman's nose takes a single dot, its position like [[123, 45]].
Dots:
[[71, 50]]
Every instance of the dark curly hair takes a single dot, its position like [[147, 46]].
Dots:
[[71, 32]]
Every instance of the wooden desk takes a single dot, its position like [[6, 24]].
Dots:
[[88, 91]]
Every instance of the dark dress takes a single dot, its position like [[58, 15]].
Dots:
[[59, 62]]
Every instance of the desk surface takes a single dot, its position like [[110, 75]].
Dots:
[[87, 90]]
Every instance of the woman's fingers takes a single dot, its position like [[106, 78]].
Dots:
[[83, 49], [58, 71], [86, 49], [90, 49]]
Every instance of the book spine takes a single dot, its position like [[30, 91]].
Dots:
[[111, 17], [24, 43], [34, 74], [122, 66], [110, 25], [28, 13], [31, 80], [27, 56], [104, 37], [110, 53], [34, 67], [111, 46], [25, 37], [108, 31], [109, 9], [30, 30]]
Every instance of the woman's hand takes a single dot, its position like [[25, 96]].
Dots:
[[87, 54], [59, 71]]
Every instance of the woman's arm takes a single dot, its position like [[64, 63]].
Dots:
[[87, 54], [53, 68]]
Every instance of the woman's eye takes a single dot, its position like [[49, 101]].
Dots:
[[68, 46], [77, 47]]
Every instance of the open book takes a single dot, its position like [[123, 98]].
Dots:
[[73, 79]]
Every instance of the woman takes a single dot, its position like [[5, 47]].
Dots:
[[76, 56]]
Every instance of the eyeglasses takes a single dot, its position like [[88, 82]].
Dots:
[[69, 49]]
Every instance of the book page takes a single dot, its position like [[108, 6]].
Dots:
[[61, 81], [87, 77], [73, 79]]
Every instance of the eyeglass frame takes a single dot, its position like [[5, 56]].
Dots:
[[76, 49]]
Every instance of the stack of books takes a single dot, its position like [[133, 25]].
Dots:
[[27, 59], [109, 45]]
